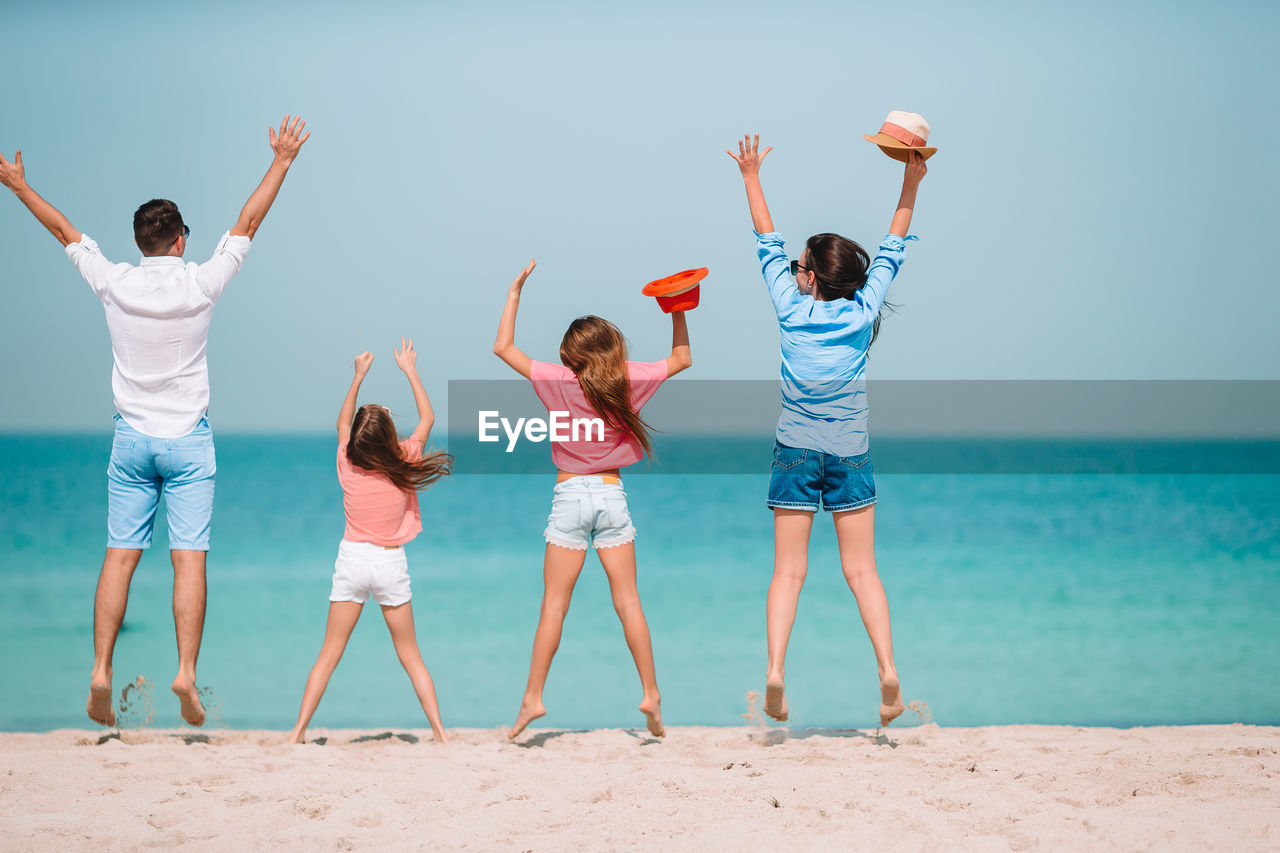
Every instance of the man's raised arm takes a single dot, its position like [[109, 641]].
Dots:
[[286, 144], [14, 176]]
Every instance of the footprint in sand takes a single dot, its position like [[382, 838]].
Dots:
[[166, 819], [311, 808]]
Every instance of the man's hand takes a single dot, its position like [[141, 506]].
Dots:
[[749, 156], [285, 144], [518, 284], [363, 361], [289, 140], [406, 358], [12, 175]]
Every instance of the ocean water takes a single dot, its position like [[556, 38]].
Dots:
[[1088, 599]]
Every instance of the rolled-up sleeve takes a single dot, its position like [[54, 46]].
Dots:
[[888, 260], [777, 270], [214, 274], [90, 261]]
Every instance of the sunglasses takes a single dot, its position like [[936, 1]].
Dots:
[[186, 232], [796, 266]]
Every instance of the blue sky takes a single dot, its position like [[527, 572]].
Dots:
[[1100, 205]]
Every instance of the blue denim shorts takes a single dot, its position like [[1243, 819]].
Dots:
[[142, 468], [586, 510], [800, 476]]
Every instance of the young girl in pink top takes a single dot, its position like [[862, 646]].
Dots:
[[380, 477], [594, 381]]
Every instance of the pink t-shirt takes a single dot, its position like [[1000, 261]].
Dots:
[[558, 389], [377, 510]]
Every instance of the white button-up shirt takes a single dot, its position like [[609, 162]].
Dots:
[[158, 314]]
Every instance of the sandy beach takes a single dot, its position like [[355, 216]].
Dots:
[[922, 788]]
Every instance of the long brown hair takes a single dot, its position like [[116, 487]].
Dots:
[[839, 267], [374, 446], [596, 352]]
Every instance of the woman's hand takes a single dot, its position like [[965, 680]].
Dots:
[[749, 159], [915, 170], [363, 360], [749, 156], [911, 177], [406, 357], [518, 284]]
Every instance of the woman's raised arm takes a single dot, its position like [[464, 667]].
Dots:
[[749, 159]]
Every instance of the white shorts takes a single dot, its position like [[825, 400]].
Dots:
[[364, 569]]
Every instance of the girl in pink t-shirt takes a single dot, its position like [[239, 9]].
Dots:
[[594, 382], [380, 477]]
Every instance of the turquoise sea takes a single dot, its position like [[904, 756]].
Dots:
[[1080, 598]]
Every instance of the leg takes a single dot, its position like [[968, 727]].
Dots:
[[791, 528], [560, 570], [404, 637], [133, 492], [189, 468], [856, 533], [108, 615], [620, 565], [343, 616], [188, 624]]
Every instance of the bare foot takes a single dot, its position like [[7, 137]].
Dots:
[[298, 736], [775, 700], [189, 702], [99, 705], [652, 710], [440, 736], [890, 700], [529, 711]]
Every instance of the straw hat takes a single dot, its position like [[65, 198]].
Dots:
[[901, 134]]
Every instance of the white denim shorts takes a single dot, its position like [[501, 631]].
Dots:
[[586, 511], [364, 569]]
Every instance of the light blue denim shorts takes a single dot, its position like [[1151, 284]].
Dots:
[[586, 510], [142, 468]]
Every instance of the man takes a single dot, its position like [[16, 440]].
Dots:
[[158, 314]]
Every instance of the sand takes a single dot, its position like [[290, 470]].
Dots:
[[751, 787]]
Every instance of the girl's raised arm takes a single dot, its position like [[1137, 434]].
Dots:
[[911, 178], [407, 359], [505, 346], [681, 357], [749, 159], [348, 410]]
